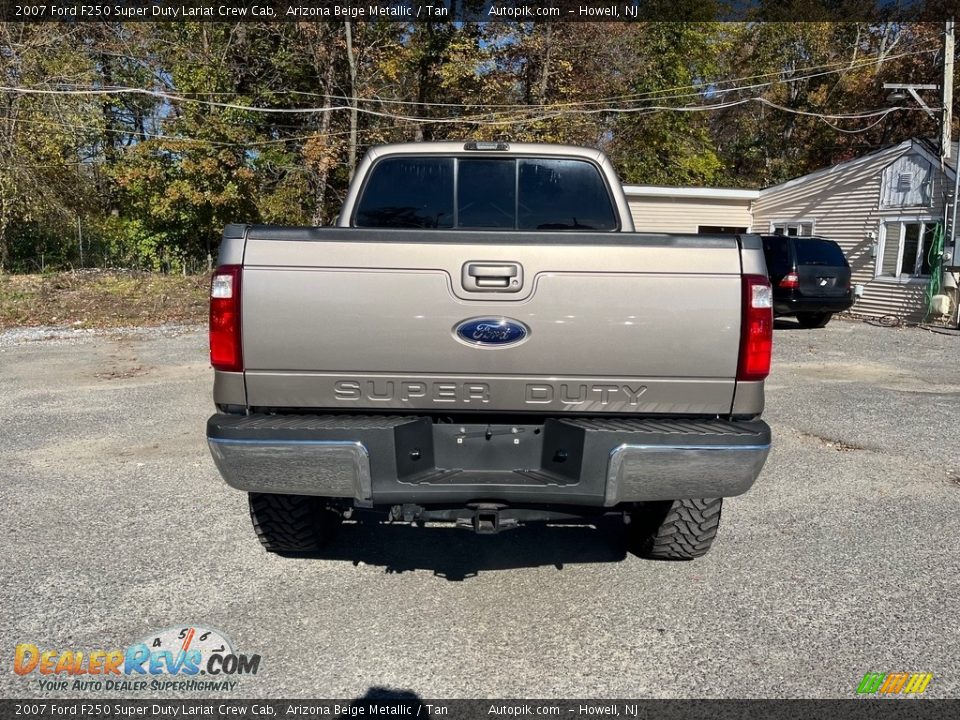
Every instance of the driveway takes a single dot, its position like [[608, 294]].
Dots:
[[843, 559]]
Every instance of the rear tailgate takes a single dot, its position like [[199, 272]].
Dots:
[[822, 269], [823, 281], [367, 319]]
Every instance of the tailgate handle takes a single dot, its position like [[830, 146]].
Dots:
[[478, 276]]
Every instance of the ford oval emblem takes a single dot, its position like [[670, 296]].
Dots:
[[492, 332]]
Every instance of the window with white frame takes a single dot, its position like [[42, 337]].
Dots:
[[905, 249], [793, 228]]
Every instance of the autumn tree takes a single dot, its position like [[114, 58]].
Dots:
[[153, 136], [46, 141]]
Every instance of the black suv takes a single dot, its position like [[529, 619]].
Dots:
[[810, 278]]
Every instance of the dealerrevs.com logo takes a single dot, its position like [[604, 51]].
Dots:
[[175, 659]]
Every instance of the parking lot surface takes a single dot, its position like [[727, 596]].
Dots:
[[843, 558]]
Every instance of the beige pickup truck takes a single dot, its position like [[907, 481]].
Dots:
[[483, 339]]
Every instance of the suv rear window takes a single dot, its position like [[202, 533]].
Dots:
[[818, 252], [491, 194], [777, 253]]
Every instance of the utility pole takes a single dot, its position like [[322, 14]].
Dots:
[[946, 93], [946, 143], [946, 133]]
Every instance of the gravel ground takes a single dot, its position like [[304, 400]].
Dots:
[[843, 558]]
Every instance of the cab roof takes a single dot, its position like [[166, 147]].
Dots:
[[448, 147]]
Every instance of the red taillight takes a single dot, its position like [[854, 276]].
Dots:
[[790, 281], [756, 330], [225, 348]]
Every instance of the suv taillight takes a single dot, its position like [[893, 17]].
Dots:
[[225, 348], [756, 330], [790, 281]]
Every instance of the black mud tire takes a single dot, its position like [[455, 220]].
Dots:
[[675, 529], [813, 320], [293, 524]]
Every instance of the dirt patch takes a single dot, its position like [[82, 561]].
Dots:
[[123, 373], [832, 443], [123, 363], [102, 299]]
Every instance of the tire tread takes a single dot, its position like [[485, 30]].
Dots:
[[292, 523], [678, 529]]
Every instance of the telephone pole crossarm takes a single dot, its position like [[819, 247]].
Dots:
[[912, 89]]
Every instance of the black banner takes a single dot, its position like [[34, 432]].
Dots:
[[409, 706], [474, 10]]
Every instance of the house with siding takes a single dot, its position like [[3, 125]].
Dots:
[[690, 210], [882, 209]]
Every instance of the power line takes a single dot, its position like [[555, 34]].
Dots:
[[636, 97], [470, 120], [173, 138], [838, 67], [520, 116], [835, 67]]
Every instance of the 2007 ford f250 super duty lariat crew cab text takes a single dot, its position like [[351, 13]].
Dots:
[[483, 339]]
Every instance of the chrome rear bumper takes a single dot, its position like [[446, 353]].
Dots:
[[332, 468], [651, 472], [582, 461]]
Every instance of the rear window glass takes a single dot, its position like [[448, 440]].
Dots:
[[491, 194], [486, 194], [563, 195], [777, 254], [819, 252], [408, 193]]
